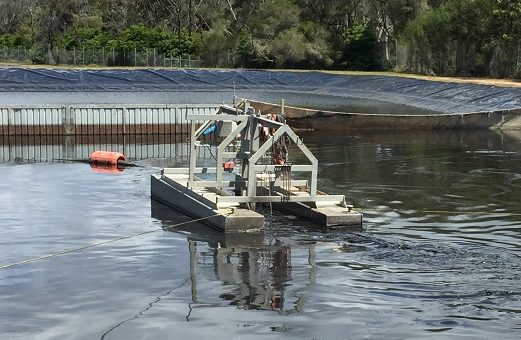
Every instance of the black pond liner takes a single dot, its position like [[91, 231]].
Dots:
[[363, 93]]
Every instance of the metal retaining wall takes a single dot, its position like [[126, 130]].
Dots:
[[98, 119]]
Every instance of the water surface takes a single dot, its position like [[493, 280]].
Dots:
[[439, 256]]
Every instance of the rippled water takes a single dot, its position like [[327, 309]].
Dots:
[[439, 256]]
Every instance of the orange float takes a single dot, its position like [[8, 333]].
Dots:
[[107, 158]]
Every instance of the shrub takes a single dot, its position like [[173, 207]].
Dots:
[[359, 50]]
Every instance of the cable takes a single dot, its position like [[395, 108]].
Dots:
[[144, 310], [210, 149], [68, 251]]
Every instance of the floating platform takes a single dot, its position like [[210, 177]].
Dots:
[[259, 145], [203, 203], [229, 213]]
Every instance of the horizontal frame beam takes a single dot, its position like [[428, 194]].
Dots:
[[295, 167], [334, 199], [181, 171], [214, 117]]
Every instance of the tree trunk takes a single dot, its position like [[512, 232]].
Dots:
[[50, 55], [190, 18]]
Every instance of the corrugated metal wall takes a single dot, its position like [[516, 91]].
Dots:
[[98, 119]]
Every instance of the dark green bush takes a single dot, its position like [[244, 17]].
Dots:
[[359, 49]]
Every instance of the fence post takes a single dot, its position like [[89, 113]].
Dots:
[[124, 120], [135, 56], [518, 61], [154, 57], [103, 61], [228, 60], [74, 55], [396, 54], [64, 119], [189, 58], [113, 57], [179, 61], [83, 55], [10, 120]]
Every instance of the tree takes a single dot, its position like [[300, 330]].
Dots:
[[466, 37], [85, 32], [12, 15], [51, 18], [506, 25], [360, 49]]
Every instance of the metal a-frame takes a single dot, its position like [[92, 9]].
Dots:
[[249, 150]]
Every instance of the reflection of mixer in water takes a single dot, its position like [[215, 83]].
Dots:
[[254, 275], [257, 277]]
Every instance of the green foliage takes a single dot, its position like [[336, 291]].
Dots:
[[289, 48], [507, 20], [247, 52], [215, 47], [12, 41], [83, 37], [136, 37], [139, 38], [274, 17], [465, 37], [401, 12], [359, 49], [506, 26], [477, 37], [435, 34]]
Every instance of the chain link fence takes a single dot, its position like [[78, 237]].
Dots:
[[97, 57], [498, 62]]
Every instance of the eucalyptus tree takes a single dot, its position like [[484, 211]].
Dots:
[[48, 19], [12, 16], [506, 25]]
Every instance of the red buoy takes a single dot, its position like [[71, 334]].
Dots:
[[107, 157]]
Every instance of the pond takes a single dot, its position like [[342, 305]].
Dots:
[[439, 255]]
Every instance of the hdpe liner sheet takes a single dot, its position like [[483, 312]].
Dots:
[[429, 95]]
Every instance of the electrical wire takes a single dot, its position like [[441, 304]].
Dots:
[[68, 251]]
